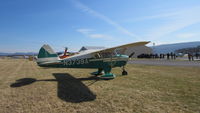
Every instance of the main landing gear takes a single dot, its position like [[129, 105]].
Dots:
[[124, 72], [104, 73], [99, 72]]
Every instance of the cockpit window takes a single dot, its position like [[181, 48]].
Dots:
[[107, 54], [104, 55]]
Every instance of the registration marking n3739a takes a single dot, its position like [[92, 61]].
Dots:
[[75, 62]]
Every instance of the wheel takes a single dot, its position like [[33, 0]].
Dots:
[[124, 73]]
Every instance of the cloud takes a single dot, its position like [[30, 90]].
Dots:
[[85, 31], [186, 35], [101, 36], [90, 33], [176, 21], [86, 9], [158, 16]]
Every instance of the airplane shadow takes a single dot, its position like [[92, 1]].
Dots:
[[69, 88]]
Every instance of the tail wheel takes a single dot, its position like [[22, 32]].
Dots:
[[124, 72]]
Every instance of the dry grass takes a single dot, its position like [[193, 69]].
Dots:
[[145, 89]]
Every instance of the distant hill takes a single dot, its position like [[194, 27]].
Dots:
[[4, 54], [167, 48], [17, 53]]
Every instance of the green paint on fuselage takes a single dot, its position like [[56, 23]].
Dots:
[[117, 61]]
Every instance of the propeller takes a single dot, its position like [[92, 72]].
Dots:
[[131, 54], [65, 50]]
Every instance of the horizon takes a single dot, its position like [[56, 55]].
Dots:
[[26, 25], [97, 46]]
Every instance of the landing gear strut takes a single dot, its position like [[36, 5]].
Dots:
[[124, 72], [107, 75]]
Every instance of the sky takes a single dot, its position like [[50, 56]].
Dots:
[[25, 25]]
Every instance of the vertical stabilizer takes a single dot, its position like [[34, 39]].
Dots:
[[46, 54], [46, 51]]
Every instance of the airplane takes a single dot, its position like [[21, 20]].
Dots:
[[103, 60]]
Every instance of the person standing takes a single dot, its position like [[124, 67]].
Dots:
[[160, 56], [197, 56], [192, 57], [174, 55], [163, 56], [171, 55], [167, 56], [189, 57]]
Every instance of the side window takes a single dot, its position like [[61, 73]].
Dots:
[[106, 54], [97, 55]]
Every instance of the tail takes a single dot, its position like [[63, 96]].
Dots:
[[46, 55]]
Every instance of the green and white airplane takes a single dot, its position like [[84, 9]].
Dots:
[[103, 60]]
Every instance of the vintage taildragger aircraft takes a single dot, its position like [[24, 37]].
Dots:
[[103, 60]]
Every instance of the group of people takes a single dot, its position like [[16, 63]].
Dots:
[[191, 56], [160, 56], [148, 56], [169, 56]]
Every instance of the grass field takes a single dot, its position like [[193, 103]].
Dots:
[[27, 88]]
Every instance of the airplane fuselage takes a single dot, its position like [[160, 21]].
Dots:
[[115, 61]]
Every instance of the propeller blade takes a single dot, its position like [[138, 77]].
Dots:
[[131, 54]]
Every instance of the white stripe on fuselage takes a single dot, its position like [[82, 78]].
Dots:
[[109, 59], [48, 59]]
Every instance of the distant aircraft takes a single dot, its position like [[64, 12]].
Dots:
[[104, 60]]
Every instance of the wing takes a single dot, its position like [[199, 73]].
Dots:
[[124, 47], [107, 51]]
